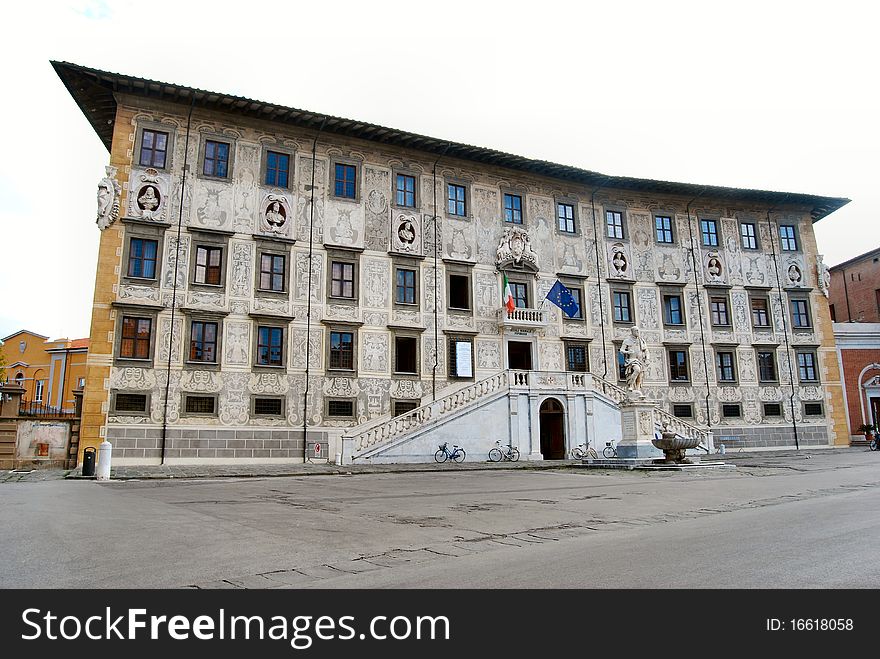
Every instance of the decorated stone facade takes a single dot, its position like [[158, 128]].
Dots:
[[319, 239]]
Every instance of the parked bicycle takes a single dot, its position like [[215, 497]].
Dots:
[[443, 454], [610, 451], [500, 453], [583, 451]]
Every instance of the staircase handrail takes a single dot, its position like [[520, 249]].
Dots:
[[612, 391], [364, 438], [682, 427]]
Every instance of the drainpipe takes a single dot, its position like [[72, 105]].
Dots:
[[309, 292], [598, 282], [846, 297], [699, 306], [174, 280], [64, 379], [436, 283], [784, 311]]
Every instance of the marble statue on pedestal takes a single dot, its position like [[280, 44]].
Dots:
[[635, 354]]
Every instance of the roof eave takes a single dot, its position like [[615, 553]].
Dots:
[[24, 331], [95, 91], [855, 259]]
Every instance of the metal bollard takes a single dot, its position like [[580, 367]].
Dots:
[[105, 452]]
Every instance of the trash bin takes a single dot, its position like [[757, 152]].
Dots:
[[89, 455]]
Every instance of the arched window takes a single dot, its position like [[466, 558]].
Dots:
[[39, 388], [19, 378]]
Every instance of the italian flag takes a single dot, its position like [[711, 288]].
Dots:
[[507, 296]]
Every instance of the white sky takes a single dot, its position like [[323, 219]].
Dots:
[[772, 95]]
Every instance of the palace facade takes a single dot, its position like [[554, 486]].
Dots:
[[268, 275]]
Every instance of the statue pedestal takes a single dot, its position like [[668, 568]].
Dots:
[[637, 425]]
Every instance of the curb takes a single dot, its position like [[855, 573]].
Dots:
[[339, 471], [768, 459]]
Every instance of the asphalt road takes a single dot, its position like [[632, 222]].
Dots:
[[797, 522]]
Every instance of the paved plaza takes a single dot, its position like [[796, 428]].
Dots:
[[784, 519]]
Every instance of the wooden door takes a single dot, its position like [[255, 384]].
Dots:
[[552, 418]]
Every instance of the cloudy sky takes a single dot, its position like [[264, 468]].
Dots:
[[772, 95]]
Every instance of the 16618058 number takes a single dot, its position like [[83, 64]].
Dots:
[[810, 625], [821, 624]]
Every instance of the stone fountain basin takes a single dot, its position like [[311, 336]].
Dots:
[[676, 442]]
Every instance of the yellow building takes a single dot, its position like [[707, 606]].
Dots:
[[49, 370]]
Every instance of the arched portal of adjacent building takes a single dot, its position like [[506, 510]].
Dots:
[[552, 416]]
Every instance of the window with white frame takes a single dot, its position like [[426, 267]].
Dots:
[[663, 226], [614, 224], [725, 366], [565, 217], [513, 208], [800, 313], [787, 238], [622, 305], [709, 231], [807, 366], [748, 235]]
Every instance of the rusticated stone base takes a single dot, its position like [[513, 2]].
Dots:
[[214, 444]]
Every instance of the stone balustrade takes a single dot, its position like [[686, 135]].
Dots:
[[612, 391], [681, 427], [521, 317], [556, 380]]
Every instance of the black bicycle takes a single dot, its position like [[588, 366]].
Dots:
[[443, 454]]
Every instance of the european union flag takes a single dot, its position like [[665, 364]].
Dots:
[[562, 298]]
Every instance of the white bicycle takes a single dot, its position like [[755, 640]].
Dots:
[[502, 452], [583, 451]]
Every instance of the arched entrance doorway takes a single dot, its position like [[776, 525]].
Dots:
[[552, 417]]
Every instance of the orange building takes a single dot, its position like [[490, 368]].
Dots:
[[49, 370]]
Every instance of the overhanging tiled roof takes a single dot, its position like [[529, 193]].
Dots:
[[94, 90]]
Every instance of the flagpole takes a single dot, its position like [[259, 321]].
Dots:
[[505, 288], [584, 318]]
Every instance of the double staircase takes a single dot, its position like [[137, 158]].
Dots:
[[385, 430], [387, 434]]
